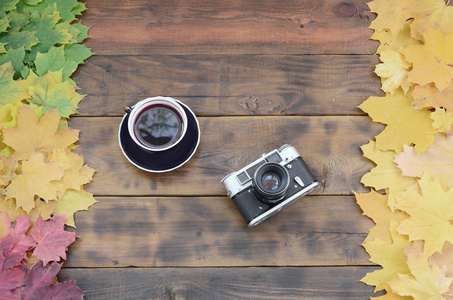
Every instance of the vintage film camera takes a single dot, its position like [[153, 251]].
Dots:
[[269, 184]]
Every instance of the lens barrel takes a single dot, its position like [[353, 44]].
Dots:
[[270, 182]]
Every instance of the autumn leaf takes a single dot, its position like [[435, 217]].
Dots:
[[36, 179], [13, 247], [442, 120], [8, 167], [393, 71], [11, 91], [428, 96], [395, 43], [444, 259], [33, 135], [73, 201], [431, 214], [51, 239], [393, 15], [386, 174], [405, 125], [425, 282], [38, 284], [8, 115], [52, 92], [392, 259], [436, 161], [432, 61], [76, 173], [441, 18], [374, 206]]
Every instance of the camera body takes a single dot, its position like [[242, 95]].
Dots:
[[269, 184]]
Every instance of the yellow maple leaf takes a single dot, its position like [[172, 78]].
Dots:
[[393, 71], [441, 18], [374, 206], [386, 174], [431, 214], [405, 125], [73, 201], [9, 206], [428, 96], [388, 41], [391, 296], [393, 15], [33, 135], [8, 115], [432, 61], [36, 179], [8, 167], [425, 282], [442, 120], [76, 173], [436, 161], [392, 259]]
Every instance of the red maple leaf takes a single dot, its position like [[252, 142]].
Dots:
[[14, 246], [38, 284], [51, 239], [10, 280]]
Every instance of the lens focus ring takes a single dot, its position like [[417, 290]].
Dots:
[[270, 182]]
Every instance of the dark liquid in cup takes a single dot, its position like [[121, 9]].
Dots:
[[158, 126]]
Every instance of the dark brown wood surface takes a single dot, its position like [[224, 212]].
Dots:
[[257, 74]]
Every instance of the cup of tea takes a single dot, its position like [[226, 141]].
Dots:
[[157, 123]]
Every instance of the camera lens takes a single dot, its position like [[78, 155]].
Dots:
[[270, 182]]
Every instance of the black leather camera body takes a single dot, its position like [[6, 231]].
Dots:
[[269, 184]]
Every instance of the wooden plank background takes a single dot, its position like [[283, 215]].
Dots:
[[258, 74]]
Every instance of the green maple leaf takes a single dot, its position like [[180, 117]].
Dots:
[[77, 53], [11, 91], [79, 8], [55, 60], [14, 39], [52, 92], [7, 5], [67, 8], [83, 31], [4, 23], [18, 19], [16, 57], [44, 26]]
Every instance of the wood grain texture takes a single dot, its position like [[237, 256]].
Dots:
[[231, 85], [222, 283], [208, 231], [329, 145], [229, 27]]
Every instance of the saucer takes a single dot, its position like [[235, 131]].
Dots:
[[161, 161]]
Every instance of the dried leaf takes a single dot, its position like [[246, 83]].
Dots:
[[436, 161], [442, 120], [374, 206], [38, 284], [51, 239], [428, 96], [73, 201], [386, 174], [405, 125], [393, 15], [425, 282], [432, 61], [394, 71], [392, 259], [431, 214], [36, 179], [33, 135]]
